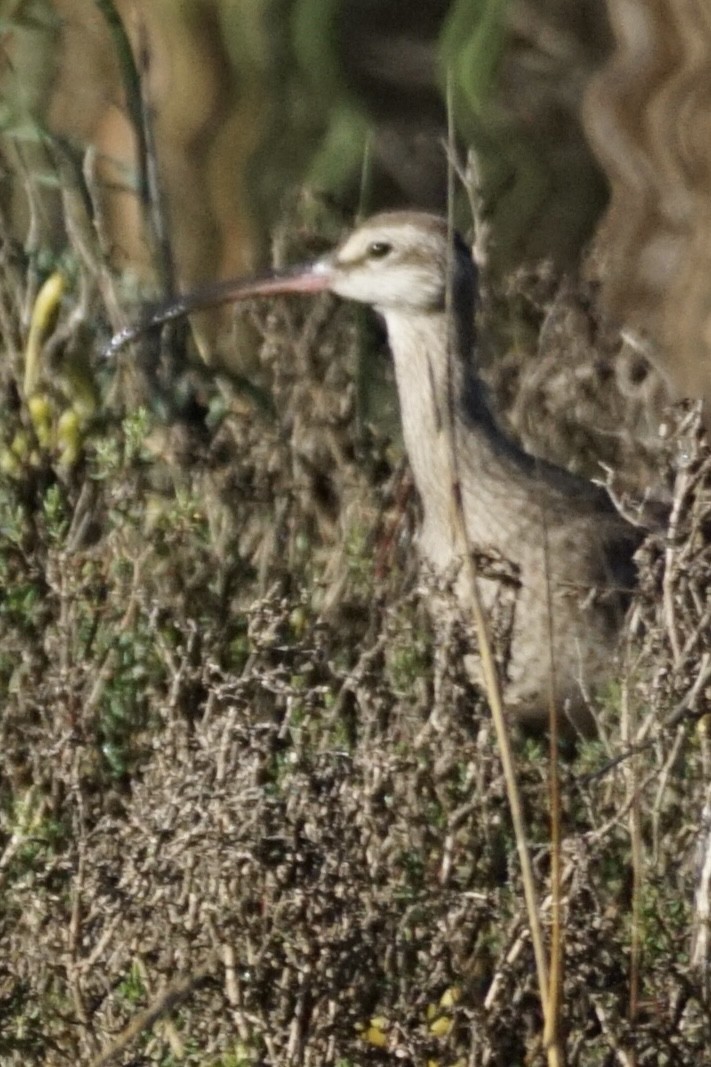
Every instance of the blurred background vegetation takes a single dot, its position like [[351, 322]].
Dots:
[[252, 102]]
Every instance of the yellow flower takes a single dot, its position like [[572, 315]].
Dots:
[[375, 1033], [44, 313]]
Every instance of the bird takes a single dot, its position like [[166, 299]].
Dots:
[[554, 557]]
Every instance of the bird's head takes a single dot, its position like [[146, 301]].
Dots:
[[398, 261]]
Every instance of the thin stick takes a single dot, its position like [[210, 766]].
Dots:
[[166, 1000], [551, 1037], [491, 680], [635, 824], [132, 87]]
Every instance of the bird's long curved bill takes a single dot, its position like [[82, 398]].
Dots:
[[306, 278]]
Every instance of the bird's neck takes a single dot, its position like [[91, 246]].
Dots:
[[437, 384], [442, 403]]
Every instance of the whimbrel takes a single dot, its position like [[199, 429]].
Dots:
[[553, 555]]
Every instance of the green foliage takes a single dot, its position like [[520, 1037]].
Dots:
[[115, 454], [55, 516], [132, 988], [408, 659], [472, 46]]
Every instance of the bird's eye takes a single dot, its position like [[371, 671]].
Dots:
[[379, 249]]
